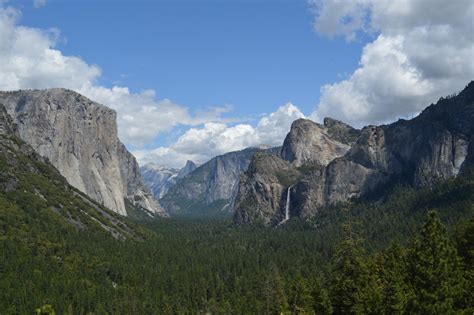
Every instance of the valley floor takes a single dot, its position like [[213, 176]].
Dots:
[[391, 257]]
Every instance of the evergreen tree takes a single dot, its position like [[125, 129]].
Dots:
[[274, 292], [300, 299], [392, 270], [435, 272], [321, 301], [354, 290], [465, 246]]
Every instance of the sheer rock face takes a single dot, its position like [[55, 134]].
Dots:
[[340, 181], [311, 142], [7, 126], [19, 159], [370, 149], [307, 150], [334, 167], [212, 185], [79, 137], [468, 165], [262, 195]]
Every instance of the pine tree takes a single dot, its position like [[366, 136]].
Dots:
[[392, 270], [435, 271], [321, 302], [354, 289], [465, 247], [300, 299], [274, 293]]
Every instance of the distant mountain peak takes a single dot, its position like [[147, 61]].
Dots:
[[161, 178]]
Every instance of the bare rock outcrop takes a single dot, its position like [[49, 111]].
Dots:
[[79, 137], [335, 162], [308, 141], [262, 189]]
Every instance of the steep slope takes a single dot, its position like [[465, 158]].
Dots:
[[161, 178], [434, 146], [265, 184], [79, 137], [209, 189], [33, 192], [268, 187], [308, 141]]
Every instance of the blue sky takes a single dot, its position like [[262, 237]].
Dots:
[[254, 55], [191, 79]]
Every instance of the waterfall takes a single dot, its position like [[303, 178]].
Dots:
[[287, 206]]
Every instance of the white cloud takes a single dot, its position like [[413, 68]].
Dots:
[[29, 60], [424, 49], [340, 18], [39, 3], [201, 144]]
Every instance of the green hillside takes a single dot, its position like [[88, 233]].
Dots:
[[60, 251]]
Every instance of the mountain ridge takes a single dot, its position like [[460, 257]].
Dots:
[[161, 178], [434, 146], [209, 190]]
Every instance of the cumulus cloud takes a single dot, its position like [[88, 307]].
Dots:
[[29, 60], [213, 138], [423, 49]]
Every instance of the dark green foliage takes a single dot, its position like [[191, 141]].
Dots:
[[354, 289], [54, 252], [273, 292], [320, 296], [400, 215], [309, 167], [197, 267], [391, 268], [200, 210], [288, 177], [300, 299], [435, 272], [465, 246]]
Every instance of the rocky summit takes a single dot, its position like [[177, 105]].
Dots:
[[314, 143], [161, 178], [79, 138], [320, 165]]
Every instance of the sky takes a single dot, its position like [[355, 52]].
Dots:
[[193, 79]]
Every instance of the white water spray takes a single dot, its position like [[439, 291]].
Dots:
[[287, 206]]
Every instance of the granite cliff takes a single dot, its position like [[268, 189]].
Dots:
[[32, 190], [210, 189], [327, 164], [79, 138]]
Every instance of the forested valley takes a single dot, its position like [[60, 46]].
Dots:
[[412, 253]]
